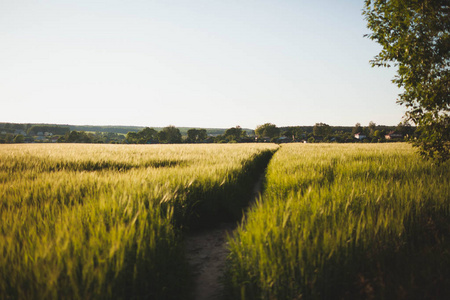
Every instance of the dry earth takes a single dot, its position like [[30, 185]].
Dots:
[[207, 252]]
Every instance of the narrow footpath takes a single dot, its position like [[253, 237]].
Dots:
[[207, 252]]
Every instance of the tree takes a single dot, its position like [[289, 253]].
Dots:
[[321, 129], [234, 133], [372, 128], [196, 135], [147, 135], [162, 136], [377, 134], [19, 138], [78, 137], [357, 129], [201, 135], [415, 36], [267, 130], [132, 137], [9, 138], [404, 128], [170, 135], [72, 137], [191, 135]]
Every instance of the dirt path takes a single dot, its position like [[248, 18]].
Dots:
[[206, 253]]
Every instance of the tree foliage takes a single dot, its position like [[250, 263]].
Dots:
[[196, 135], [321, 129], [357, 129], [233, 133], [78, 137], [145, 136], [169, 135], [55, 129], [267, 130], [19, 139], [415, 36]]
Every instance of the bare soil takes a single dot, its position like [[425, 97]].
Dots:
[[207, 251]]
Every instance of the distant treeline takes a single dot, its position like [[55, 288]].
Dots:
[[34, 129], [126, 129], [54, 129], [320, 132], [113, 129], [172, 135], [268, 132]]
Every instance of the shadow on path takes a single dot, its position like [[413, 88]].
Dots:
[[206, 252]]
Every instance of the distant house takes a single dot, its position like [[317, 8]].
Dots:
[[393, 135], [360, 136]]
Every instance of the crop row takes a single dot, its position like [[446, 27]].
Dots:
[[345, 222], [106, 221]]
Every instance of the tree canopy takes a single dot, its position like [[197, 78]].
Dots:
[[234, 133], [267, 130], [196, 135], [357, 129], [169, 135], [321, 129], [55, 129], [415, 36], [145, 136]]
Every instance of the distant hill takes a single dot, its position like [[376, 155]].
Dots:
[[109, 128], [126, 129]]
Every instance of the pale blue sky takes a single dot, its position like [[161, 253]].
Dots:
[[191, 63]]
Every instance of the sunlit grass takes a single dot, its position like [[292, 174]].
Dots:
[[345, 221], [104, 221]]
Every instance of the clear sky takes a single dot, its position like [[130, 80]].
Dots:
[[198, 63]]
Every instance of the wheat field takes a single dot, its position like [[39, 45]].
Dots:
[[342, 221], [334, 221], [106, 221]]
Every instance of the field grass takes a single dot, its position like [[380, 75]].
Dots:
[[106, 221], [345, 222], [334, 222]]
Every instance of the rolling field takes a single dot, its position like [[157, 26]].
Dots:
[[106, 221], [345, 222]]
